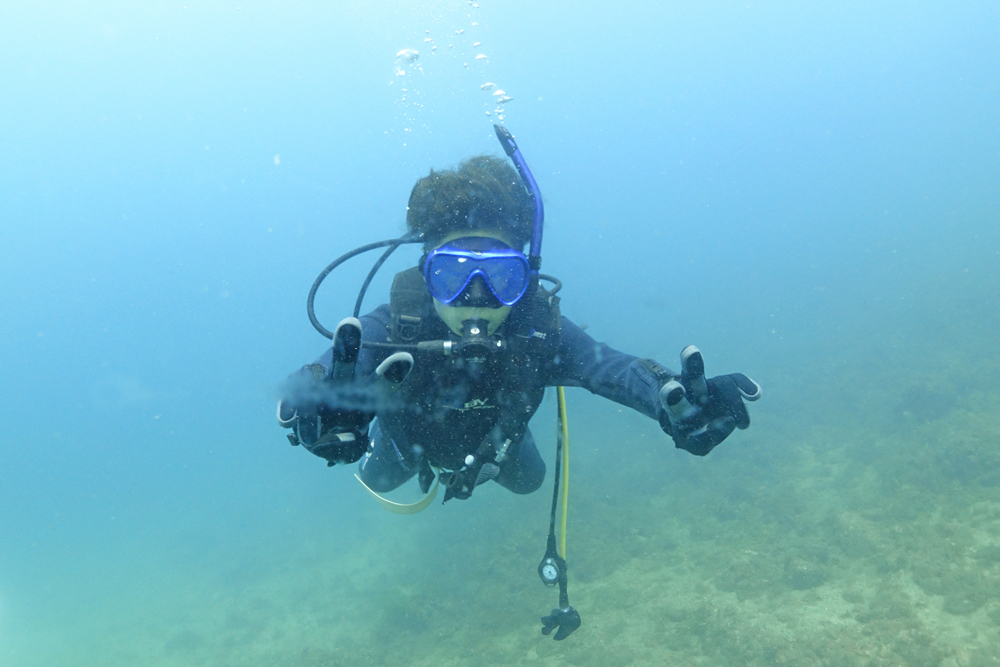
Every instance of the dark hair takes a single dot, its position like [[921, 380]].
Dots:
[[485, 192]]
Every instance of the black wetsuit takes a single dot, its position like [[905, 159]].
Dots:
[[444, 410]]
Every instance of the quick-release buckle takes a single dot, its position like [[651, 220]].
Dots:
[[407, 327]]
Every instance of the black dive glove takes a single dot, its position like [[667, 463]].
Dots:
[[702, 412], [566, 620], [329, 413]]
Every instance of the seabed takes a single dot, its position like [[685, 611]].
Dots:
[[864, 532]]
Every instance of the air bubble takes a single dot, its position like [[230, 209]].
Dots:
[[403, 58]]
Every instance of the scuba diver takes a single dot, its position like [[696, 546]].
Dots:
[[441, 382]]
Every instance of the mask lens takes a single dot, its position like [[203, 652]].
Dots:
[[450, 268], [507, 278], [447, 276]]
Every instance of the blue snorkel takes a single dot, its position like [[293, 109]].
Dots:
[[514, 153]]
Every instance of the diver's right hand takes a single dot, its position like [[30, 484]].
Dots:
[[339, 436], [703, 412], [329, 414]]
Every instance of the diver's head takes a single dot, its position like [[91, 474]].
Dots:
[[483, 194], [475, 221]]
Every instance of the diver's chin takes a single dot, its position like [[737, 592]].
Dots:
[[454, 316]]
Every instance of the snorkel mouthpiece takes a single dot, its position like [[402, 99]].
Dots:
[[514, 153]]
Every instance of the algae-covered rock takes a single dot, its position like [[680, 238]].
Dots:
[[889, 604], [917, 649], [923, 401], [852, 595], [988, 555], [984, 657], [933, 576], [965, 601], [749, 577], [802, 574], [965, 589], [970, 591]]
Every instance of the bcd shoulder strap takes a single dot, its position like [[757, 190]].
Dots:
[[539, 321], [410, 305]]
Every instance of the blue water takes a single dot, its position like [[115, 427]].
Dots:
[[807, 191]]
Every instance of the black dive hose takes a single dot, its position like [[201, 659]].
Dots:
[[393, 243], [371, 274]]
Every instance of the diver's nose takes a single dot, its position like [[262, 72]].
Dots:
[[477, 294]]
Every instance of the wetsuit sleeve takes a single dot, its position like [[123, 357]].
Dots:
[[602, 370]]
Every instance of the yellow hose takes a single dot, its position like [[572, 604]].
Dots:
[[565, 471], [403, 508]]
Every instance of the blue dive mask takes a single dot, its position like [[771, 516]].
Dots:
[[450, 268]]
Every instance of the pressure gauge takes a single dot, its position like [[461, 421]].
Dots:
[[548, 570]]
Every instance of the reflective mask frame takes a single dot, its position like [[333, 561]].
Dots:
[[449, 269]]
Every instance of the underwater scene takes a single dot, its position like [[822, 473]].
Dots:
[[807, 192]]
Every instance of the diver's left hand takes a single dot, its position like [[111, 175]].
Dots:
[[703, 412]]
